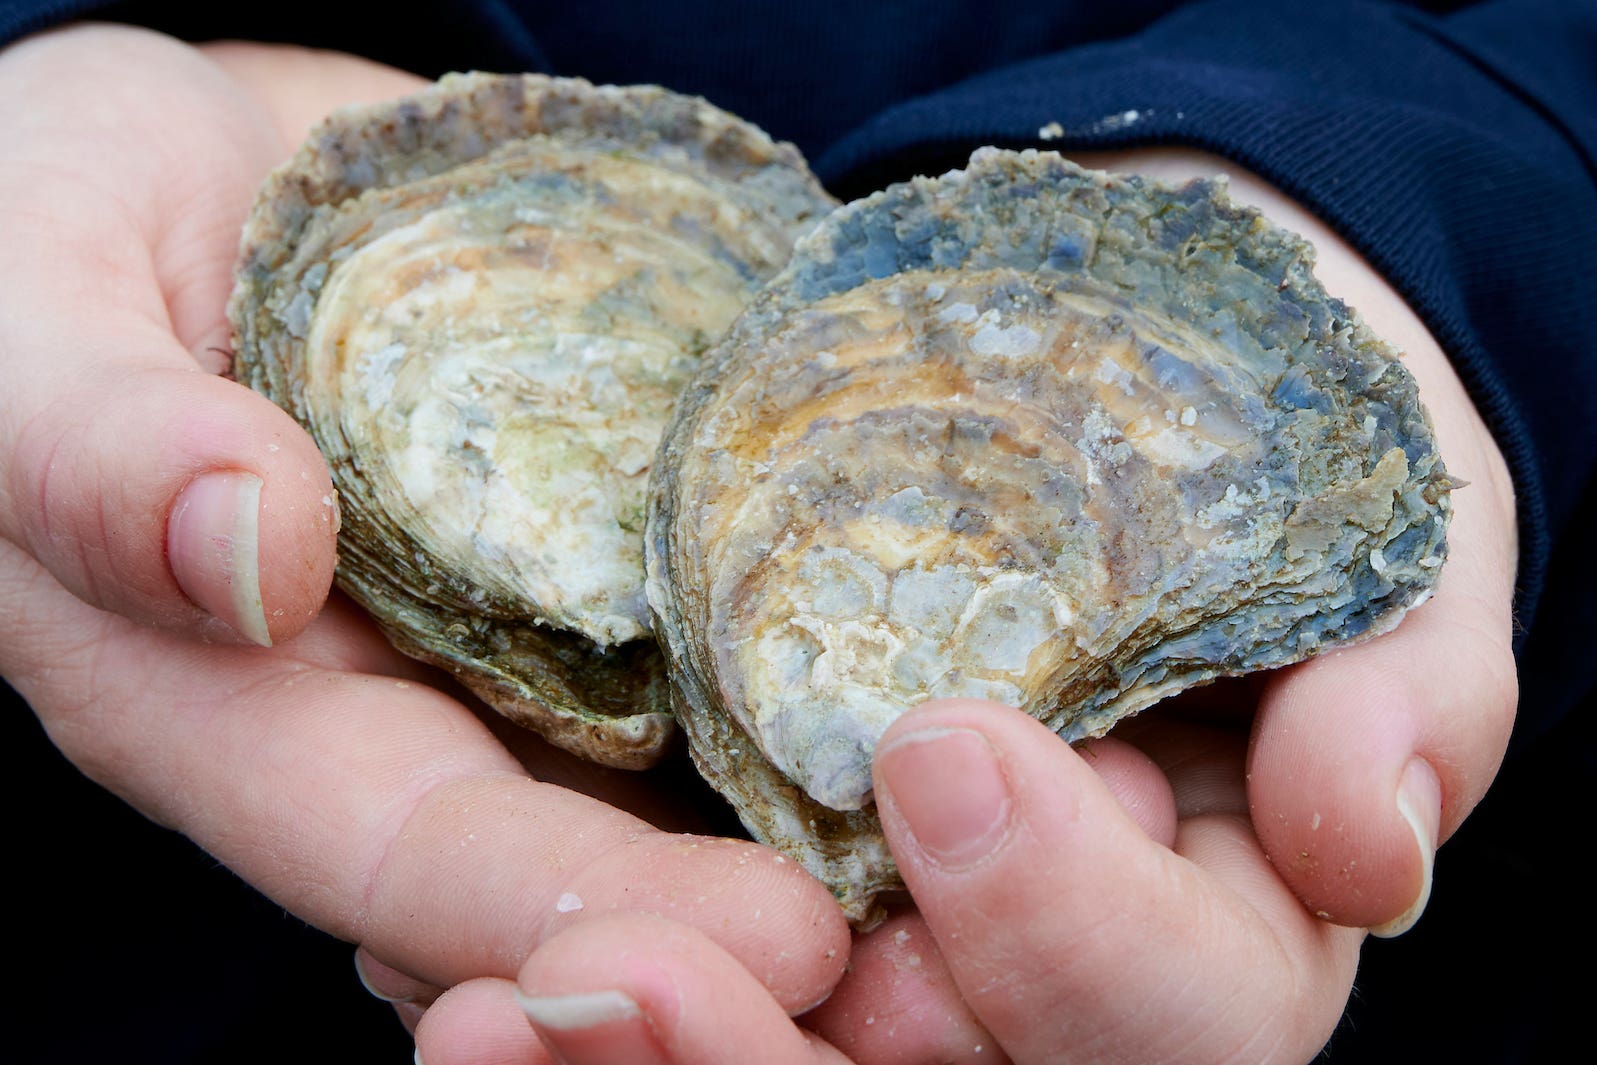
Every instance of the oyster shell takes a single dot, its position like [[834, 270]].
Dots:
[[1069, 441], [482, 302]]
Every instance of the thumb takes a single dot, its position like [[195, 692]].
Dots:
[[172, 497], [1060, 920]]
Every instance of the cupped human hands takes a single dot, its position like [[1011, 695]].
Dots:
[[161, 523], [1191, 891]]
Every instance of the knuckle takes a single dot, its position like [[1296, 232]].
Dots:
[[1499, 696], [1491, 693], [53, 516], [37, 483], [87, 501]]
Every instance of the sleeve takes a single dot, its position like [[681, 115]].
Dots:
[[1457, 153]]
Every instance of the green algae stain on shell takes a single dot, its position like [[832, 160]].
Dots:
[[1024, 432], [482, 302]]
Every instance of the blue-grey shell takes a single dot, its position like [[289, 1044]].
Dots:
[[1068, 440]]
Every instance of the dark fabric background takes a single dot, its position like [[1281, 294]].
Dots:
[[1452, 142]]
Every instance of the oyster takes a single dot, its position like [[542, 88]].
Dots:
[[1068, 441], [482, 302]]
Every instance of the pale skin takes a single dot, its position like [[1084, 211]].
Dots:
[[1194, 890]]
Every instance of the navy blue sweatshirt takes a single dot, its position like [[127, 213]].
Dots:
[[1454, 144]]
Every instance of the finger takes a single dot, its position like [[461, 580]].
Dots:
[[899, 1005], [1364, 760], [1071, 934], [1362, 763], [692, 806], [637, 990], [381, 810], [479, 1022], [1204, 766], [1137, 783], [390, 985], [899, 1002], [145, 486], [176, 499]]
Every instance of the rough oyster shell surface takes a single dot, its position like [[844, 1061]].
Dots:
[[1069, 441], [482, 302]]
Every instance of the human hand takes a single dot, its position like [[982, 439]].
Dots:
[[1192, 889], [143, 499], [1303, 800]]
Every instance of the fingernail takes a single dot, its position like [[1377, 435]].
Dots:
[[213, 541], [949, 789], [594, 1028], [1419, 801], [366, 981]]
